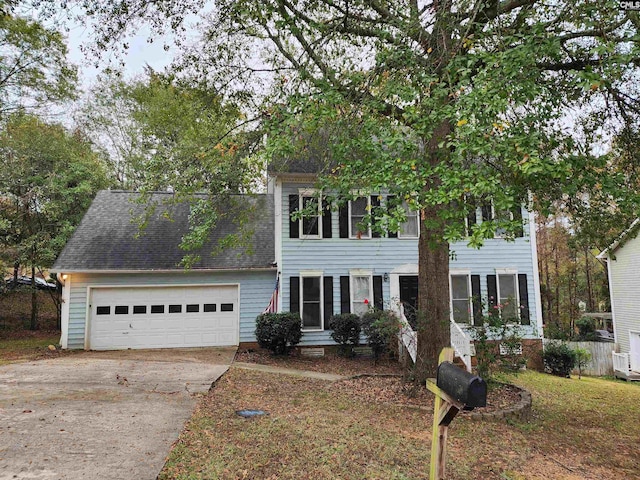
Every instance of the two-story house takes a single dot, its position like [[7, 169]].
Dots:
[[122, 289]]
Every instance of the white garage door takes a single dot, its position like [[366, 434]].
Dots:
[[163, 317]]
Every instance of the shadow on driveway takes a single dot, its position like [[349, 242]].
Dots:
[[100, 415]]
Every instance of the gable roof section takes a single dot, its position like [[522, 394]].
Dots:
[[630, 232], [107, 238]]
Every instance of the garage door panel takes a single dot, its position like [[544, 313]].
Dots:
[[141, 328]]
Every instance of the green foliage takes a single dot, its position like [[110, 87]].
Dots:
[[278, 332], [381, 328], [583, 357], [488, 337], [165, 132], [586, 329], [34, 70], [559, 359], [48, 177], [345, 331]]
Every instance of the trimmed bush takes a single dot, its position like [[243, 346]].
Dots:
[[278, 332], [559, 359], [381, 327], [346, 332]]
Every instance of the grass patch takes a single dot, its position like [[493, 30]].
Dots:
[[32, 347], [581, 429]]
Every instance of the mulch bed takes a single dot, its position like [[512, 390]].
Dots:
[[382, 382]]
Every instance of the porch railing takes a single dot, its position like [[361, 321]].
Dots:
[[621, 363], [462, 345], [408, 336], [460, 341]]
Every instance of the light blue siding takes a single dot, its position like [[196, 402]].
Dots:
[[336, 256], [255, 291]]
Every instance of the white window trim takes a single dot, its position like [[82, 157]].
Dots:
[[360, 273], [417, 216], [354, 235], [309, 192], [311, 274], [466, 273]]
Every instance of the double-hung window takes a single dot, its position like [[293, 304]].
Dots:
[[311, 301], [461, 297], [361, 292], [358, 210], [507, 284], [411, 227], [311, 221]]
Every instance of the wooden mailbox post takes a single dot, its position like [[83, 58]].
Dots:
[[455, 389]]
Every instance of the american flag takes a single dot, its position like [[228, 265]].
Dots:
[[273, 303]]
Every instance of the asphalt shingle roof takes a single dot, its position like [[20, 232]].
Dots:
[[107, 238]]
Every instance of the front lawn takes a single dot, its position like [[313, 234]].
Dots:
[[581, 429]]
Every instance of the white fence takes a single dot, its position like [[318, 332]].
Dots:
[[601, 362]]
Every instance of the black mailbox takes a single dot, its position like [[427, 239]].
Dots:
[[466, 388]]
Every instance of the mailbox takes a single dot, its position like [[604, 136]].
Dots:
[[466, 388]]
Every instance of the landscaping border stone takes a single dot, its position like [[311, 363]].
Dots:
[[521, 411]]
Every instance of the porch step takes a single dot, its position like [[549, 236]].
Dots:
[[630, 377]]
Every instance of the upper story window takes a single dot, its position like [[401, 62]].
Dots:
[[311, 222], [489, 212], [309, 215], [411, 227], [358, 210], [460, 298]]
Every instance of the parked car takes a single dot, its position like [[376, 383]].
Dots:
[[604, 336], [41, 283]]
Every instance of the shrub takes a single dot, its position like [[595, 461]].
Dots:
[[345, 332], [278, 332], [586, 329], [559, 359], [381, 327]]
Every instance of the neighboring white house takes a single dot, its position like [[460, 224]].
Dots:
[[623, 264]]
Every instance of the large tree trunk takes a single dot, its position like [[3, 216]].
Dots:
[[434, 332], [34, 301]]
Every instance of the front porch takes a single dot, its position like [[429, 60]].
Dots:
[[622, 367]]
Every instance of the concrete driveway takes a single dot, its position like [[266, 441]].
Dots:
[[100, 415]]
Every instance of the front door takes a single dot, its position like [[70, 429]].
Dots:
[[409, 297], [634, 350]]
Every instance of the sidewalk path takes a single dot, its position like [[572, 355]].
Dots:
[[332, 377]]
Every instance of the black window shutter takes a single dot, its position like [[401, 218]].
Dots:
[[328, 300], [476, 299], [326, 219], [391, 202], [377, 292], [345, 296], [524, 299], [472, 219], [343, 220], [375, 207], [486, 212], [294, 229], [492, 290], [294, 294], [517, 217]]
